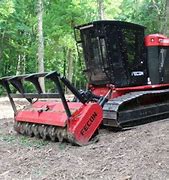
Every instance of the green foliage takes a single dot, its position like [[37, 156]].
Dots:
[[18, 31], [6, 9], [17, 37], [145, 12], [113, 8]]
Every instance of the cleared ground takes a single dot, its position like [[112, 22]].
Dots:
[[139, 153]]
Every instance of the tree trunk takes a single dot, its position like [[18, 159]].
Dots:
[[40, 42], [100, 4], [18, 69], [1, 51], [165, 27], [21, 64], [75, 73], [70, 68], [64, 61]]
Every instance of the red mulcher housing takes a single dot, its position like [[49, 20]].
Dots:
[[128, 77], [75, 122]]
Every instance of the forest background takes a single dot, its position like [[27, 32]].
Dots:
[[27, 27]]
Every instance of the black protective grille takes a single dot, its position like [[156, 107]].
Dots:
[[158, 62], [114, 53]]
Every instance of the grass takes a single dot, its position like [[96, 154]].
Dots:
[[23, 140]]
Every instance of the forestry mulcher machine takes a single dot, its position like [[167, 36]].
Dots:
[[128, 81]]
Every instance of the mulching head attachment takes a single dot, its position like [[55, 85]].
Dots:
[[75, 122]]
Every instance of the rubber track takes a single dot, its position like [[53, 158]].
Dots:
[[112, 107]]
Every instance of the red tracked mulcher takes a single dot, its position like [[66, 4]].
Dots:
[[128, 77], [75, 122]]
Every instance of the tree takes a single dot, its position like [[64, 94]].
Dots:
[[100, 4], [20, 46], [144, 12], [40, 42], [165, 27]]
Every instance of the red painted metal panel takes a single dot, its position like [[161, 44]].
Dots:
[[51, 113], [121, 91], [156, 40], [85, 122]]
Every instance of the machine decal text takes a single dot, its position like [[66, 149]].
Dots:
[[88, 124]]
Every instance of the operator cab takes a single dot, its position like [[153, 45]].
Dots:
[[114, 53]]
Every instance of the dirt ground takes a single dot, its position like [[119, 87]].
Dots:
[[139, 153]]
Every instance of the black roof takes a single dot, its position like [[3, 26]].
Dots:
[[111, 22]]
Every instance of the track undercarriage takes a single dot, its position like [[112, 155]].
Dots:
[[136, 108]]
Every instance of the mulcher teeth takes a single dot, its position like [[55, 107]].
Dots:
[[45, 132]]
